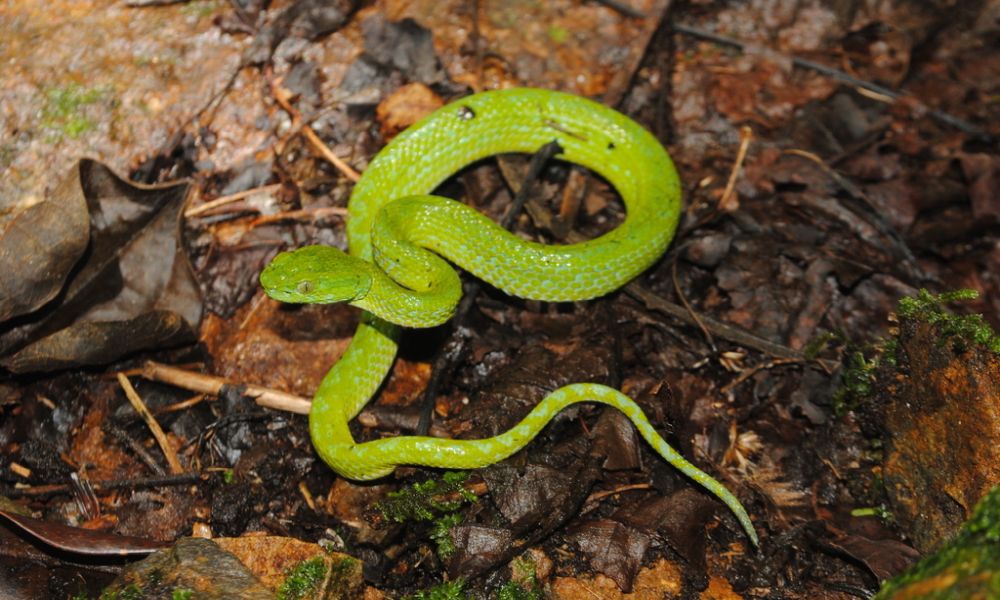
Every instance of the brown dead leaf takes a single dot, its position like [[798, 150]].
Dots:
[[81, 541], [39, 247], [131, 290], [613, 549], [406, 106], [98, 343]]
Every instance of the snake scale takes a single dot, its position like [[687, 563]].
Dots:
[[401, 241]]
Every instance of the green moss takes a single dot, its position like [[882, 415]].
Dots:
[[201, 8], [524, 585], [961, 331], [856, 380], [524, 581], [441, 534], [861, 364], [873, 511], [513, 590], [558, 34], [448, 590], [303, 579], [63, 108], [820, 343], [228, 476], [129, 592], [182, 594], [966, 567], [426, 501]]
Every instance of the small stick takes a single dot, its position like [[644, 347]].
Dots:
[[328, 154], [725, 331], [106, 486], [728, 202], [747, 373], [281, 97], [209, 384], [687, 306], [223, 200], [596, 496], [182, 405], [154, 426], [138, 449], [303, 213]]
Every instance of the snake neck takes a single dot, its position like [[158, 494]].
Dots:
[[411, 286]]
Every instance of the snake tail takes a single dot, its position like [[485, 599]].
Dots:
[[370, 460]]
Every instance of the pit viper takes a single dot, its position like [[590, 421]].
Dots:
[[401, 241]]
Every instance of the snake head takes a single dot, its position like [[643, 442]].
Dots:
[[316, 275]]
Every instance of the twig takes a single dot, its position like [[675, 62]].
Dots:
[[725, 331], [154, 426], [574, 191], [872, 215], [595, 496], [36, 491], [690, 311], [209, 384], [729, 202], [223, 200], [303, 213], [328, 154], [182, 405], [138, 449], [940, 116], [281, 97], [747, 373]]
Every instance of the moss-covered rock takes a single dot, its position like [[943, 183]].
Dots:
[[937, 409], [967, 567]]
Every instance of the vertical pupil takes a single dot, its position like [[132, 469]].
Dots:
[[304, 287]]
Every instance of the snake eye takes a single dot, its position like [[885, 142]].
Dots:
[[305, 287]]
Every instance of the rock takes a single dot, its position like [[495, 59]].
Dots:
[[940, 422]]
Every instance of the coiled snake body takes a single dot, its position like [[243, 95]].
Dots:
[[399, 238]]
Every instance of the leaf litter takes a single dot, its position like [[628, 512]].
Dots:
[[880, 202]]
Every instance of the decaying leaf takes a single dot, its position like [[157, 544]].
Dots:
[[101, 342], [130, 290], [39, 247], [613, 549], [81, 541]]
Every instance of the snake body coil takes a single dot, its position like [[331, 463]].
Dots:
[[399, 238]]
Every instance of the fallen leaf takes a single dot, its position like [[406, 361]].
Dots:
[[39, 247], [131, 290], [406, 106], [81, 541]]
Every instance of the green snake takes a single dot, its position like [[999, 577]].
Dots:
[[401, 241]]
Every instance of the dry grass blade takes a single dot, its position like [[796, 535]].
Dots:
[[151, 422]]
